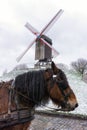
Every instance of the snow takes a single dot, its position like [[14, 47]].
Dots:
[[79, 87]]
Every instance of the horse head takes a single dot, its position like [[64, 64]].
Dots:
[[60, 91]]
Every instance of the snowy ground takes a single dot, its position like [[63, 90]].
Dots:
[[78, 86], [80, 89]]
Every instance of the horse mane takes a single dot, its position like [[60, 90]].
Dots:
[[32, 84]]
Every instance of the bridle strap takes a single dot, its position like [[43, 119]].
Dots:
[[65, 95], [52, 81]]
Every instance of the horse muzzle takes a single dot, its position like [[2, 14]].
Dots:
[[68, 107]]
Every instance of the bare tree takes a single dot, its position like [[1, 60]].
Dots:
[[80, 65]]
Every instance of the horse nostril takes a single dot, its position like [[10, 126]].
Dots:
[[76, 105]]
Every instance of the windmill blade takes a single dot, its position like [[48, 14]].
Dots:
[[21, 56], [32, 29], [54, 50], [53, 20]]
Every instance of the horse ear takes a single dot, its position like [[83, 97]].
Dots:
[[54, 68]]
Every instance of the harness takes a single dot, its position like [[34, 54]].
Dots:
[[17, 116]]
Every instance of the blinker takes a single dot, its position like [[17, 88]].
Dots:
[[62, 84]]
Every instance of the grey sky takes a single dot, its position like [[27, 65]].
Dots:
[[68, 33]]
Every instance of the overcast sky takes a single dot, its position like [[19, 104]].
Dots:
[[68, 33]]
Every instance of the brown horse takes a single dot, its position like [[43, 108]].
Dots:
[[30, 90]]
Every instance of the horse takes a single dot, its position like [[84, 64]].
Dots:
[[21, 96]]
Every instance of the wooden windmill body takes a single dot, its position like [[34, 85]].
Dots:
[[42, 51]]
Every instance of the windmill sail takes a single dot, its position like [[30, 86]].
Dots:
[[32, 29], [25, 51], [53, 49], [53, 20], [39, 35]]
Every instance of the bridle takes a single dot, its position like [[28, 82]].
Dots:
[[62, 89], [66, 96]]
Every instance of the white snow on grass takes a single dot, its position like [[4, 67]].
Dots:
[[80, 89]]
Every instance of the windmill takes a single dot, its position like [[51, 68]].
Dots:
[[43, 47]]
